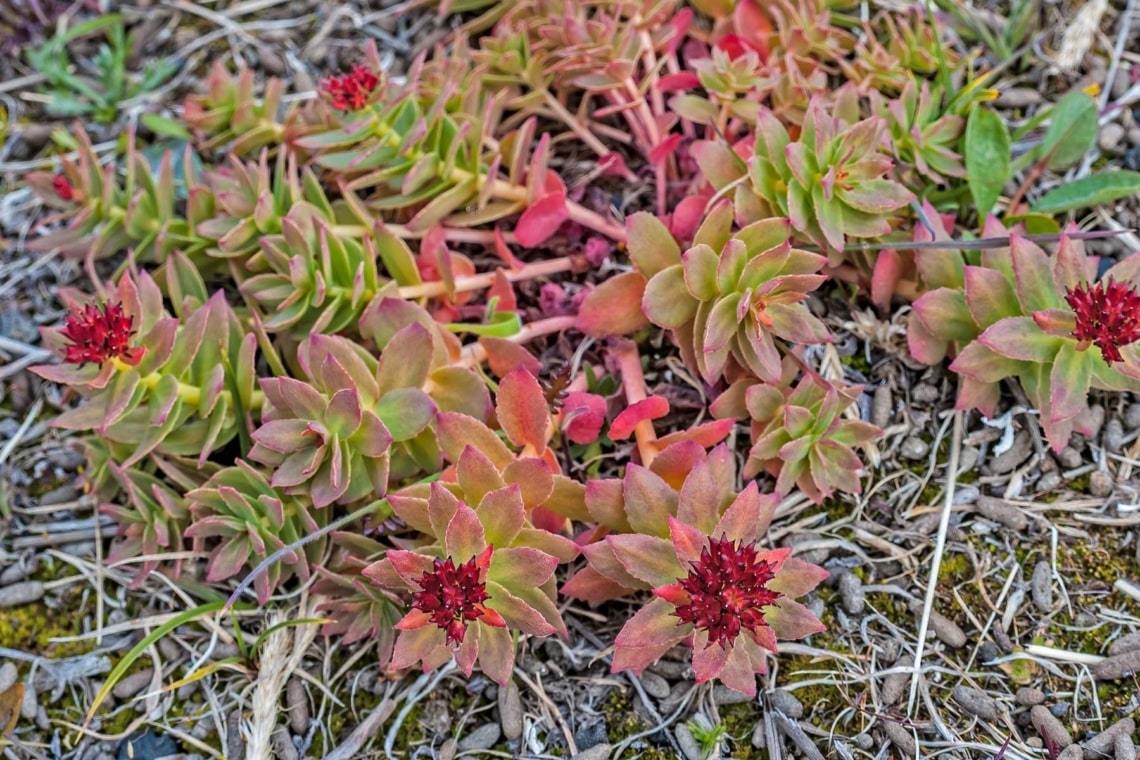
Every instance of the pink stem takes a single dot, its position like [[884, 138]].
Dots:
[[633, 382], [487, 279], [475, 353]]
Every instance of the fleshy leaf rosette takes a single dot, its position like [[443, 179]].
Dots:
[[640, 503], [356, 608], [717, 590], [736, 295], [473, 587], [1045, 321], [244, 519], [353, 422], [153, 381], [831, 182], [800, 434]]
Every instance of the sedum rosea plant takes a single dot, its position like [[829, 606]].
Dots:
[[800, 434], [1044, 320], [733, 294], [473, 584], [715, 587]]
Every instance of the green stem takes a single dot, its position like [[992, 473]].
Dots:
[[190, 395]]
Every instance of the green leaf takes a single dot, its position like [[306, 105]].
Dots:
[[1089, 191], [166, 127], [987, 157], [1072, 130]]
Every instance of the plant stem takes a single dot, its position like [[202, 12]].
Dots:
[[475, 353], [485, 280], [191, 395], [633, 383]]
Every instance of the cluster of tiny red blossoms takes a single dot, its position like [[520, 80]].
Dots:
[[351, 91], [62, 187], [99, 333], [1108, 316], [453, 597], [727, 591]]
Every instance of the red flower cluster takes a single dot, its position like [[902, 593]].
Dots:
[[453, 596], [1108, 315], [727, 591], [351, 91], [62, 187], [99, 333]]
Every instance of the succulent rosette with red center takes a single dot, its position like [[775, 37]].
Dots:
[[351, 91], [716, 589], [473, 588]]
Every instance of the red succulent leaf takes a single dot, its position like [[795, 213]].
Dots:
[[583, 415], [63, 188], [651, 408], [542, 219]]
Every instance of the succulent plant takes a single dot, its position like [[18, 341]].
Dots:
[[715, 587], [800, 434], [353, 422], [151, 521], [357, 609], [243, 520], [906, 46], [923, 135], [153, 381], [831, 181], [733, 295], [1021, 314], [473, 585], [228, 112]]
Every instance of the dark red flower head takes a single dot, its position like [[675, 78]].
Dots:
[[727, 591], [453, 596], [1108, 315], [351, 91], [99, 333], [62, 187]]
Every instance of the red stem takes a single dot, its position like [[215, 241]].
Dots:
[[633, 383]]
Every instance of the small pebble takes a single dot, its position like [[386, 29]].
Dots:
[[786, 702], [688, 744], [448, 749], [235, 742], [1118, 666], [863, 741], [1103, 743], [1124, 748], [895, 685], [1072, 752], [31, 701], [17, 571], [899, 736], [597, 752], [1041, 586], [654, 685], [925, 393], [669, 669], [1001, 512], [1132, 417], [881, 407], [1100, 483], [1011, 458], [131, 685], [591, 734], [1111, 137], [483, 737], [41, 720], [947, 630], [1070, 458], [723, 695], [914, 448], [21, 593], [1018, 97], [1048, 482], [283, 747], [976, 702], [1049, 727], [298, 706], [8, 675], [1029, 696], [1113, 434], [1132, 158], [966, 494], [511, 711], [852, 593], [1127, 643]]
